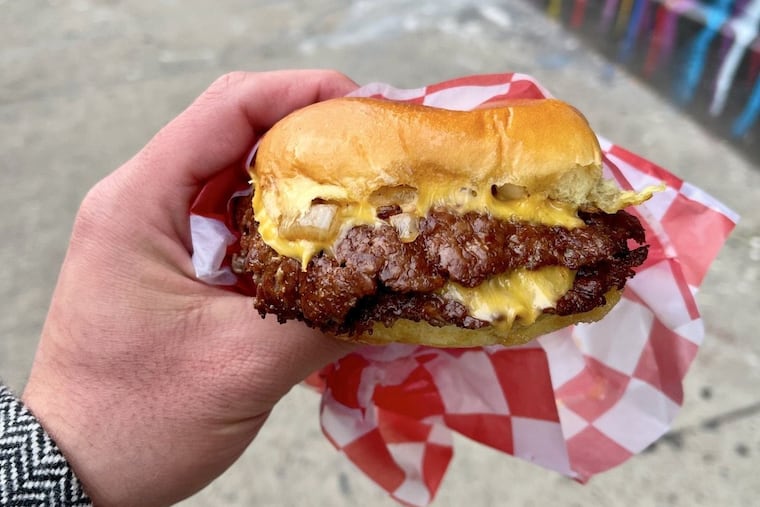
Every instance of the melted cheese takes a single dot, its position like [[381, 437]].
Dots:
[[518, 296], [274, 224], [282, 205]]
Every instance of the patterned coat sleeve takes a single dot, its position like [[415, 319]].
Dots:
[[33, 472]]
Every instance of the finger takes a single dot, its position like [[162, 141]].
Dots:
[[220, 127]]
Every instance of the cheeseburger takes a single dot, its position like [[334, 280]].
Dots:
[[381, 222]]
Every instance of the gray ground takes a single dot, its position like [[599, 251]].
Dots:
[[85, 83]]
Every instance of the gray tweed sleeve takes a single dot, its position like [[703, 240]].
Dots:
[[33, 472]]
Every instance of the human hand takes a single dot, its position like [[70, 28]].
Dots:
[[151, 382]]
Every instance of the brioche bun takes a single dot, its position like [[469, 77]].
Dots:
[[350, 148]]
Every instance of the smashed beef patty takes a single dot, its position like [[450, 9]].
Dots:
[[374, 276]]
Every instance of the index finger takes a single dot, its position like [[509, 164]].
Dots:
[[221, 125]]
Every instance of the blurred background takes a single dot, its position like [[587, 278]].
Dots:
[[704, 56], [85, 83]]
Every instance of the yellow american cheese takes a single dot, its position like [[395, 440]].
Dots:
[[536, 208], [518, 296]]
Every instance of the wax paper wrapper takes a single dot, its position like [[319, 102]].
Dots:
[[578, 401]]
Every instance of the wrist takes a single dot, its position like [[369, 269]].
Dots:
[[28, 454], [88, 429], [76, 440], [125, 437]]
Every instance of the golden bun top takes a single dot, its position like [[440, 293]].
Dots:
[[535, 160], [359, 145]]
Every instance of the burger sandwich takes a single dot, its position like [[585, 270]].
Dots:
[[379, 221]]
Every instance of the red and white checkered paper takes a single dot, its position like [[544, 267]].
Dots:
[[578, 401]]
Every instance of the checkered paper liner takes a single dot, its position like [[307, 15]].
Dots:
[[578, 401]]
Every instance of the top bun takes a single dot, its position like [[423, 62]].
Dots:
[[350, 147]]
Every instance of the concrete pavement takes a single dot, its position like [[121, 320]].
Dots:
[[85, 83]]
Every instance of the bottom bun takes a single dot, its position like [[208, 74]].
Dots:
[[422, 333]]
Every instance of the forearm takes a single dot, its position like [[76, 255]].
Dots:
[[33, 471]]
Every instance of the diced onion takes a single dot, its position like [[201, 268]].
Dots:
[[407, 226], [314, 225]]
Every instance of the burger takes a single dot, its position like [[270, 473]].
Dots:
[[379, 221]]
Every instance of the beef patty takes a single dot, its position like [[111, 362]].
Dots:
[[373, 276]]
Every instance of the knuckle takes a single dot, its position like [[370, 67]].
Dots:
[[89, 215], [335, 75], [221, 90], [97, 213], [227, 82]]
